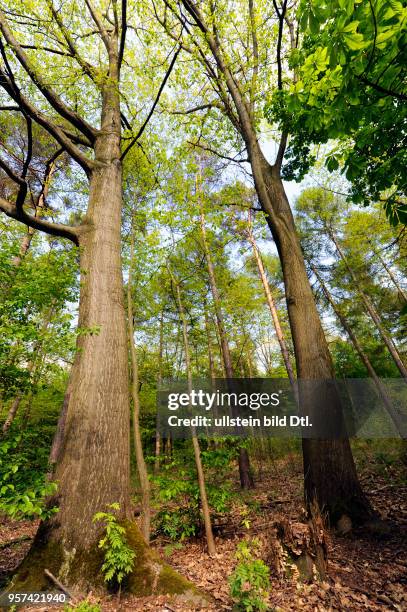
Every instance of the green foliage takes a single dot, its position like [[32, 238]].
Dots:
[[178, 524], [24, 488], [179, 516], [250, 581], [350, 86], [118, 556]]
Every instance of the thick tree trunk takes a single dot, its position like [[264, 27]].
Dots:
[[363, 356], [138, 446], [329, 471], [245, 473], [93, 470], [197, 451], [370, 309]]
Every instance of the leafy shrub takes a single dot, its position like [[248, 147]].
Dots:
[[178, 524], [250, 581], [24, 487], [118, 556], [178, 491]]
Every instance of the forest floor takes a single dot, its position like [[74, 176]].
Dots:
[[366, 569]]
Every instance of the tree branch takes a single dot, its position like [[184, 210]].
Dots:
[[40, 118], [87, 68], [388, 92], [97, 18], [163, 83], [214, 152], [54, 229], [123, 32], [53, 98], [198, 108]]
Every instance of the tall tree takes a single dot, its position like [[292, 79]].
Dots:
[[195, 442], [246, 478], [230, 44], [93, 469]]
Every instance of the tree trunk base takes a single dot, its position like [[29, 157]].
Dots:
[[80, 570]]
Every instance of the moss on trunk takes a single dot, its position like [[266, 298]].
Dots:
[[80, 570]]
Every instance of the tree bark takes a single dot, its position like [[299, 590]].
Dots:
[[197, 451], [41, 202], [12, 412], [245, 474], [138, 446], [93, 469], [370, 309], [362, 355], [211, 362]]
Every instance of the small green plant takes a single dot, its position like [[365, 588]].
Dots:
[[83, 606], [24, 489], [118, 556], [171, 548], [250, 581], [178, 524]]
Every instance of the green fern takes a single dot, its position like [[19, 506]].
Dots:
[[118, 556]]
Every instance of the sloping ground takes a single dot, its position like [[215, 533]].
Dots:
[[367, 570]]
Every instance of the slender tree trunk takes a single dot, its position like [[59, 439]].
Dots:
[[246, 478], [12, 412], [392, 277], [138, 446], [211, 362], [274, 314], [159, 381], [197, 452], [371, 310], [93, 469], [363, 357]]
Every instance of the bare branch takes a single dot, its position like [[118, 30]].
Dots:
[[214, 152], [198, 108], [48, 49]]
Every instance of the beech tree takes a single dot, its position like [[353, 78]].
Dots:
[[230, 47], [62, 68]]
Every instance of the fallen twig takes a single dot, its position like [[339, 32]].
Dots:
[[15, 541], [59, 584]]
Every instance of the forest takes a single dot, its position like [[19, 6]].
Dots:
[[201, 197]]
